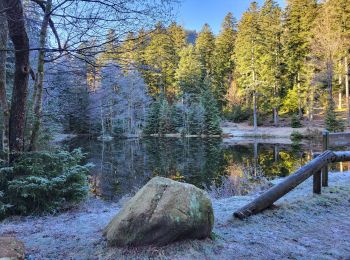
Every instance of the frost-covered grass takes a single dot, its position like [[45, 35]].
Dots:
[[301, 226], [242, 180]]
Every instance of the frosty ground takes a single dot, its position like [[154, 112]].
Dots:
[[301, 226]]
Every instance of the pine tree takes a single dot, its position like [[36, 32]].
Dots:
[[127, 52], [327, 42], [160, 61], [164, 117], [340, 11], [223, 63], [271, 56], [331, 122], [299, 18], [247, 52], [178, 37], [152, 121], [211, 113], [188, 73], [204, 47], [196, 119]]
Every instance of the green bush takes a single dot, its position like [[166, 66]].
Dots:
[[295, 123], [238, 114], [43, 182], [331, 122], [296, 136]]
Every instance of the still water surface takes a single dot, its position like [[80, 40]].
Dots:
[[122, 166]]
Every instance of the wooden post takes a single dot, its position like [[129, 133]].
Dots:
[[317, 182], [325, 146]]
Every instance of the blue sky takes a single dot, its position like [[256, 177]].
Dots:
[[194, 13]]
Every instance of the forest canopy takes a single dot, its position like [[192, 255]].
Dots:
[[126, 68]]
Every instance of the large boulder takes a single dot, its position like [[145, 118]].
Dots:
[[11, 248], [161, 212]]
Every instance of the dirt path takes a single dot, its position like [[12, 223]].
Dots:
[[303, 226], [245, 130]]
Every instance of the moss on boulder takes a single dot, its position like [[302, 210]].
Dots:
[[161, 212]]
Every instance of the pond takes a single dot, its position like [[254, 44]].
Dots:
[[122, 166]]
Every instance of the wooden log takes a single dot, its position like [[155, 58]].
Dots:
[[342, 156], [276, 192]]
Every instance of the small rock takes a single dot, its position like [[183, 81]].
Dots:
[[161, 212], [11, 248]]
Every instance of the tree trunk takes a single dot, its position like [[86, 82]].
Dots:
[[330, 77], [299, 96], [255, 117], [3, 98], [38, 86], [340, 82], [346, 68], [275, 116], [311, 102], [19, 37], [275, 109]]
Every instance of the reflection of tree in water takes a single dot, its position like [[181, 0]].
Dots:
[[192, 160], [123, 165], [271, 160], [120, 166]]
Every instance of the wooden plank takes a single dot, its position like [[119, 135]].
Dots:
[[338, 139]]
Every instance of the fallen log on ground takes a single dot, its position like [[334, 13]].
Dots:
[[276, 192]]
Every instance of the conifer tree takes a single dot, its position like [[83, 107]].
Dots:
[[299, 18], [152, 121], [196, 119], [332, 124], [271, 56], [178, 37], [160, 62], [340, 10], [247, 52], [188, 73], [211, 113], [204, 47], [223, 63]]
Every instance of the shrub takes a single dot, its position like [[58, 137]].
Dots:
[[238, 114], [331, 122], [43, 182], [211, 114], [295, 123], [296, 136]]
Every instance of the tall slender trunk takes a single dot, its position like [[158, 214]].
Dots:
[[255, 158], [330, 78], [346, 68], [3, 54], [311, 103], [299, 95], [276, 153], [19, 37], [340, 82], [255, 116], [39, 81], [275, 109], [102, 119]]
